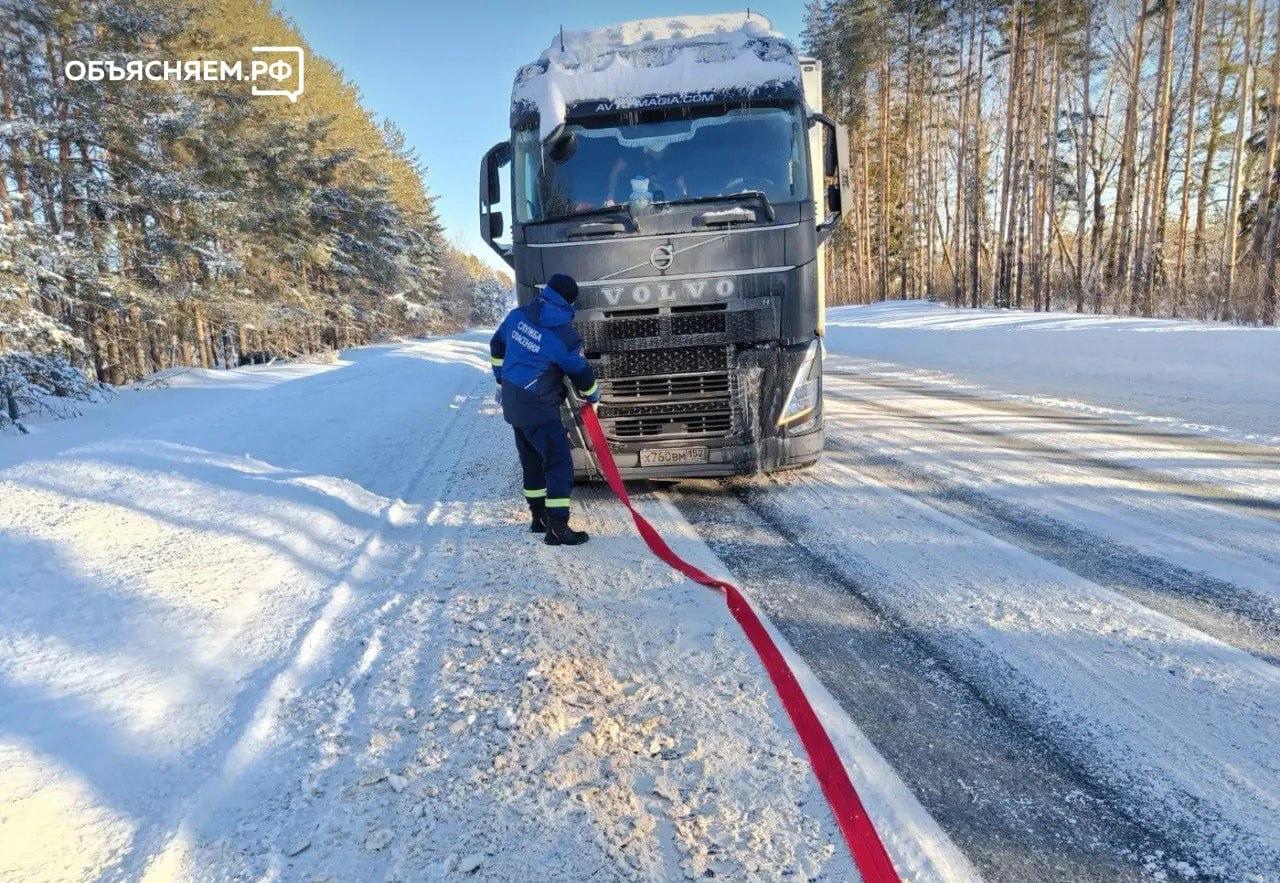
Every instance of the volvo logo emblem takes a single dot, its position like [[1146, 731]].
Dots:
[[661, 257]]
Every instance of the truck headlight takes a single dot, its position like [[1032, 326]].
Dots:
[[802, 397]]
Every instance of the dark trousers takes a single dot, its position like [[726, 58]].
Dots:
[[547, 467]]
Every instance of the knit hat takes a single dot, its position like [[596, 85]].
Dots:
[[565, 286]]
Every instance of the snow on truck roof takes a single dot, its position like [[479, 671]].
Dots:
[[735, 52]]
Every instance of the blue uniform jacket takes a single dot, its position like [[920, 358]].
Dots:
[[532, 351]]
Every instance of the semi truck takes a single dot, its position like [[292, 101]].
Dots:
[[683, 172]]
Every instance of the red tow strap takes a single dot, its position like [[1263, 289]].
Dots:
[[859, 832]]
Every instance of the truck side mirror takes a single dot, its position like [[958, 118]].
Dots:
[[835, 164], [843, 184], [830, 155], [495, 184], [490, 184], [833, 199], [491, 222]]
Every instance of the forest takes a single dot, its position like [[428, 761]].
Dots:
[[152, 224], [1112, 156]]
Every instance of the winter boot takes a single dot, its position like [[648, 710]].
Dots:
[[559, 533], [537, 516]]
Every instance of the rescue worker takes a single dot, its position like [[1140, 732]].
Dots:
[[532, 352]]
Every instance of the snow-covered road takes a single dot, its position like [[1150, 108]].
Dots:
[[289, 621], [1075, 603], [284, 622]]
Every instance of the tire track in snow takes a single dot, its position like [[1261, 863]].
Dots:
[[1231, 614], [1258, 455], [1205, 831], [1199, 492], [1014, 804], [241, 747], [1234, 547]]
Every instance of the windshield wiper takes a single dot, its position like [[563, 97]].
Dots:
[[622, 210], [755, 196], [598, 228]]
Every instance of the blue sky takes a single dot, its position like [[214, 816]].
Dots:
[[442, 70]]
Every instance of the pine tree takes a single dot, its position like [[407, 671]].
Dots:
[[1058, 153], [148, 224]]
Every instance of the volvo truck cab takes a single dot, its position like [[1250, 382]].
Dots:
[[682, 171]]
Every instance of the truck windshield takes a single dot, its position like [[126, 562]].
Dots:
[[609, 162]]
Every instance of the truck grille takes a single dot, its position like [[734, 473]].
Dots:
[[686, 392], [686, 329], [713, 384], [627, 329], [684, 360], [692, 425], [613, 330], [701, 323], [677, 420], [670, 406]]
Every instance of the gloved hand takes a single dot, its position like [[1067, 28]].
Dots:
[[592, 399], [497, 394]]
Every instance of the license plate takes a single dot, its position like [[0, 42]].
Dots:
[[673, 456]]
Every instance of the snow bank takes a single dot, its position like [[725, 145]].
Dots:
[[627, 62], [159, 556], [1192, 376], [41, 385]]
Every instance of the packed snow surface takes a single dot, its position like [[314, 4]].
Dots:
[[627, 62]]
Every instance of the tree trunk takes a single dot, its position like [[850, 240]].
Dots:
[[1268, 315], [883, 237], [1082, 151], [1193, 92], [1211, 145], [976, 201], [1231, 226], [1122, 229], [1265, 187], [1009, 188], [962, 148], [1151, 244]]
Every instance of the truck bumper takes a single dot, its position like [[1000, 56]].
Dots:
[[770, 454]]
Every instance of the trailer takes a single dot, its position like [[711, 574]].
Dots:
[[682, 170]]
